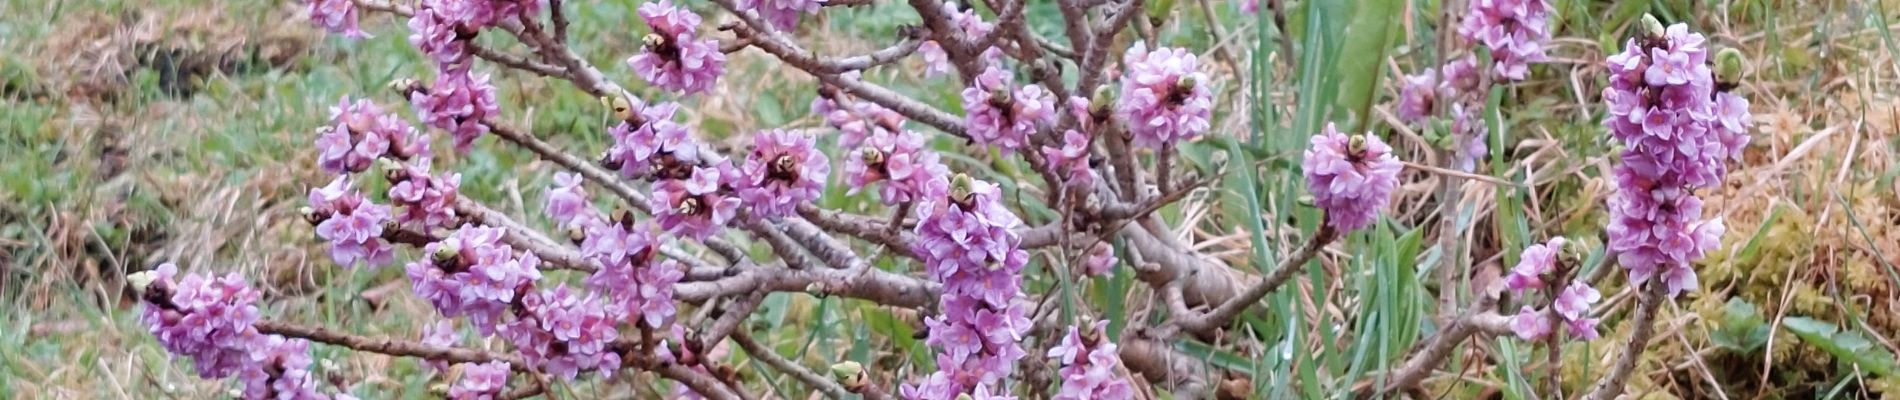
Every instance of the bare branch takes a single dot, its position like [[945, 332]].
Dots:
[[1613, 384], [387, 346], [1225, 313], [766, 355]]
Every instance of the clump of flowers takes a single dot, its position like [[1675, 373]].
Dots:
[[855, 120], [967, 241], [1678, 130], [427, 200], [1100, 260], [1351, 178], [673, 57], [1164, 96], [1088, 361], [899, 161], [1453, 87], [352, 224], [336, 16], [1545, 267], [1514, 30], [697, 206], [1002, 115], [359, 133], [472, 273], [564, 333], [783, 14], [636, 284], [481, 381], [211, 321], [567, 200], [459, 102], [649, 142], [1071, 161], [782, 172]]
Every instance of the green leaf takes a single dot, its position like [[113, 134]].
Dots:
[[1742, 328], [1847, 347], [1361, 65]]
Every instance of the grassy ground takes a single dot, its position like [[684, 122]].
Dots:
[[136, 132]]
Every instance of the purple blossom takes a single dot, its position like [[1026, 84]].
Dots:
[[1536, 262], [472, 273], [651, 143], [1088, 363], [352, 224], [1575, 300], [1418, 95], [696, 206], [427, 200], [459, 102], [1350, 178], [359, 133], [1071, 161], [482, 381], [336, 16], [970, 25], [635, 284], [967, 242], [567, 199], [673, 57], [1529, 324], [438, 37], [1164, 96], [279, 369], [857, 122], [441, 333], [1678, 130], [1468, 135], [1514, 30], [782, 172], [206, 319], [1002, 115], [898, 160], [564, 333], [1101, 260], [783, 14]]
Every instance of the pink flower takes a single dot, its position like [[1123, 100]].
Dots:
[[696, 206], [352, 224], [279, 369], [1529, 324], [564, 333], [782, 172], [206, 319], [481, 381], [1164, 96], [1514, 30], [1087, 365], [336, 16], [1101, 260], [567, 199], [967, 241], [673, 57], [1071, 161], [427, 200], [1536, 261], [440, 334], [898, 159], [1575, 300], [652, 143], [1350, 178], [458, 102], [1001, 115], [783, 14], [473, 273]]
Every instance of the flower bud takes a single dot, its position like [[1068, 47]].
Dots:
[[392, 170], [961, 188], [1185, 84], [141, 280], [310, 215], [622, 108], [872, 156], [576, 235], [449, 249], [1356, 145], [405, 86], [1103, 102], [850, 373], [1652, 27], [1729, 65]]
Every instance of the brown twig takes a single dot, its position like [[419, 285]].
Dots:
[[1283, 272], [386, 346], [765, 355], [1612, 384]]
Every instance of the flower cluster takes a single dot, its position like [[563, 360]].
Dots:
[[967, 241], [481, 381], [427, 200], [459, 102], [1543, 267], [472, 273], [1071, 161], [1002, 115], [567, 200], [782, 172], [898, 159], [352, 224], [1514, 30], [211, 321], [783, 14], [440, 334], [636, 285], [359, 133], [673, 57], [1678, 130], [1088, 365], [1101, 260], [1164, 96], [650, 142], [687, 354], [971, 25], [336, 16], [564, 333], [857, 121], [698, 205], [1455, 85], [1351, 178]]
